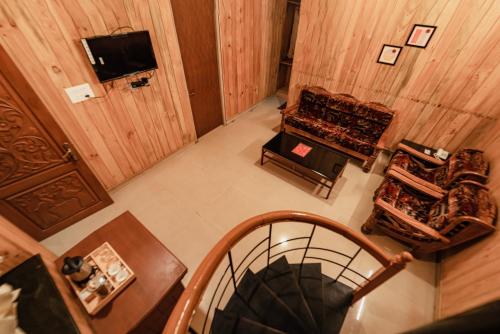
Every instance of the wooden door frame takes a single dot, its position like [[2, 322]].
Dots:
[[18, 83], [219, 60]]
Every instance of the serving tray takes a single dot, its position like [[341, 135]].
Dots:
[[105, 261]]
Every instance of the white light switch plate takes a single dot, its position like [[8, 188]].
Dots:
[[79, 93]]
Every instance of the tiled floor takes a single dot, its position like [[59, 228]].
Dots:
[[195, 196]]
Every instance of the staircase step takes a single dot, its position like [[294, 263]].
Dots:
[[229, 323], [269, 308], [310, 281], [238, 306], [280, 278], [337, 298]]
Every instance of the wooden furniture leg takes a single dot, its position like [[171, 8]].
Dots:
[[371, 222], [367, 166]]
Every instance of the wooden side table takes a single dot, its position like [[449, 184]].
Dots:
[[144, 306]]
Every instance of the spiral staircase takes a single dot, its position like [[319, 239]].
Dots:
[[253, 282], [284, 298]]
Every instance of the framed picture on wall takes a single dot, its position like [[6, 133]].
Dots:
[[420, 35], [389, 54]]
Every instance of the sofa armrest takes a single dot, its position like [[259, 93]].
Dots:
[[472, 220], [382, 140], [420, 155], [411, 222]]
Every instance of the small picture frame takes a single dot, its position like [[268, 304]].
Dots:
[[420, 35], [389, 54]]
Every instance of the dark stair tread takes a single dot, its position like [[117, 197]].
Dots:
[[280, 278], [310, 281], [228, 323], [337, 298], [237, 306], [265, 304]]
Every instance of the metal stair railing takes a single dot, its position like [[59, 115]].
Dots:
[[180, 319]]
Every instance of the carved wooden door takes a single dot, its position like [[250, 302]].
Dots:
[[44, 186]]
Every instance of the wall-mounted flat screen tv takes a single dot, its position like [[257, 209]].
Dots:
[[117, 56]]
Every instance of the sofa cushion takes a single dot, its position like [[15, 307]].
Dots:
[[357, 127], [375, 112], [465, 199], [330, 132], [411, 165], [466, 160], [468, 199], [405, 199], [312, 105]]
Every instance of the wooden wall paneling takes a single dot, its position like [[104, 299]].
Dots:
[[123, 132], [17, 45], [457, 33], [159, 128], [445, 94], [475, 62], [432, 88], [250, 35], [178, 88], [241, 54], [471, 276]]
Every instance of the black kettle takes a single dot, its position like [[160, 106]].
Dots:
[[77, 269]]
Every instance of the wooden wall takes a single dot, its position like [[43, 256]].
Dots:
[[250, 43], [471, 277], [445, 94], [125, 131]]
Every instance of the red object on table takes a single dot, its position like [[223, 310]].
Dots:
[[302, 150]]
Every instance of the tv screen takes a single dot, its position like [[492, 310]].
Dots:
[[116, 56]]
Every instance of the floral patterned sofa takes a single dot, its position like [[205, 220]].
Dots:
[[341, 122], [431, 221], [438, 175]]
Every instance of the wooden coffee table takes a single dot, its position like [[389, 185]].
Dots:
[[144, 306], [310, 160]]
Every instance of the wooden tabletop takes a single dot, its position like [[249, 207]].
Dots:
[[157, 272]]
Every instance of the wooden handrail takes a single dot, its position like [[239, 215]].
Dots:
[[180, 318], [397, 264]]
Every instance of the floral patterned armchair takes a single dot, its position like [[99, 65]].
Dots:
[[429, 221], [341, 122], [438, 175]]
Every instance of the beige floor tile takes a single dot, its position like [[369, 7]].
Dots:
[[191, 199]]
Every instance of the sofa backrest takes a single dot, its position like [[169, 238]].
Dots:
[[467, 198], [467, 160], [319, 103]]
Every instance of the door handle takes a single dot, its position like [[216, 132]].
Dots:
[[69, 154], [191, 93]]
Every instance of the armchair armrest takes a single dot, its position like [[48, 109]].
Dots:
[[413, 223], [421, 185], [473, 220], [420, 155]]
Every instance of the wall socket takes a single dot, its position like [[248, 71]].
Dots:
[[79, 93]]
